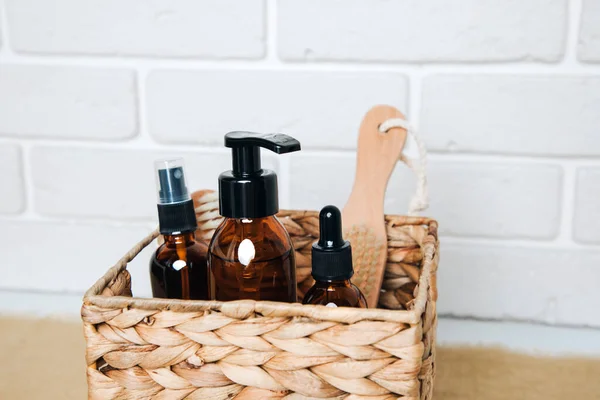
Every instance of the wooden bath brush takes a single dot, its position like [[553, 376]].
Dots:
[[363, 215]]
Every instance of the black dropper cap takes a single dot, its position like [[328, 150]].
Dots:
[[331, 255], [248, 191], [175, 206]]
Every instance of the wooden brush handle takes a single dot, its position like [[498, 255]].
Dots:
[[377, 156], [363, 217]]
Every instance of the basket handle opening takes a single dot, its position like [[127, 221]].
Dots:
[[420, 200]]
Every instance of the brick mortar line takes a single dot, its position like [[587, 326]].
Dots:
[[540, 244], [566, 227], [284, 181], [460, 317], [270, 26], [143, 133], [415, 97], [149, 223], [574, 13], [4, 46], [40, 291], [435, 155], [112, 222], [270, 64], [27, 179]]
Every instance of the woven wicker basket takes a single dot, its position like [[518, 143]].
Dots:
[[174, 349]]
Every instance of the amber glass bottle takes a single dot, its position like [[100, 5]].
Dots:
[[251, 255], [253, 259], [332, 266], [179, 267]]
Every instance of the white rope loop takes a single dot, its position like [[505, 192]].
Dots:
[[420, 200]]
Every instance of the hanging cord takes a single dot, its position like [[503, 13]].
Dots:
[[420, 200]]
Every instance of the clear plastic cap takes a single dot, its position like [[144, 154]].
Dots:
[[170, 181]]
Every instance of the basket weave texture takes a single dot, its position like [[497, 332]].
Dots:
[[177, 349]]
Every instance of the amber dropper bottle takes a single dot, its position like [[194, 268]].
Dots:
[[178, 268], [332, 266]]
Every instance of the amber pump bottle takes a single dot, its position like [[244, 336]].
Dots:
[[332, 266], [251, 255], [178, 268]]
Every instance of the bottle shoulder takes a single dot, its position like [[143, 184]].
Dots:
[[193, 250], [339, 295], [271, 223], [267, 235]]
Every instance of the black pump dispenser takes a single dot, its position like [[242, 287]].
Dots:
[[248, 191], [331, 255]]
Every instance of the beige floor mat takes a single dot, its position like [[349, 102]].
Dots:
[[492, 374], [43, 359]]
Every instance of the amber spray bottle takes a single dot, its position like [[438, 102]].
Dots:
[[251, 255], [332, 266], [178, 268]]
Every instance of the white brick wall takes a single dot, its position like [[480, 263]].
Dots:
[[66, 257], [163, 28], [551, 285], [505, 93], [462, 194], [587, 210], [124, 186], [181, 104], [331, 175], [67, 102], [589, 42], [11, 180], [421, 31], [540, 115], [496, 200]]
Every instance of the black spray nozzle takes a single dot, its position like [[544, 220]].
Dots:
[[246, 149], [170, 181], [247, 190], [175, 206], [331, 255]]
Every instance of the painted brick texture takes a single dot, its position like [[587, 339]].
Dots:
[[589, 35], [67, 102], [169, 28], [538, 115], [587, 206], [124, 186], [506, 281], [80, 251], [421, 31], [321, 109], [505, 93], [11, 179]]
